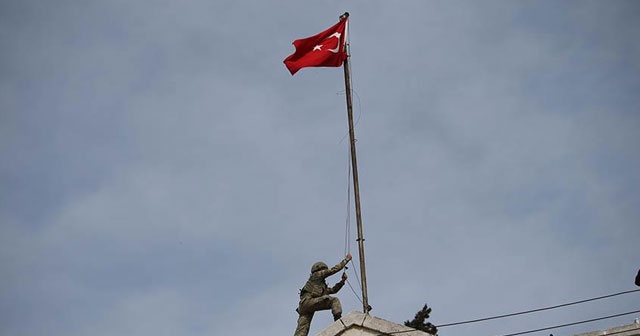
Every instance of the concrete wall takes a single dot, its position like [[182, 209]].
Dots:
[[626, 330]]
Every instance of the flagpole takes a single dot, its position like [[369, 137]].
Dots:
[[354, 164]]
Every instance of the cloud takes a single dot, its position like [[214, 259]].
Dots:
[[165, 174]]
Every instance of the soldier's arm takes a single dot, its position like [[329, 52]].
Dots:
[[335, 269], [339, 285], [336, 287]]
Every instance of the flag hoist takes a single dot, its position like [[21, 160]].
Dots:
[[330, 48]]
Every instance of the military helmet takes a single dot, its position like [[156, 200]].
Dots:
[[318, 267]]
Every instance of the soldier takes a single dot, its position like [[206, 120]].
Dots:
[[314, 296]]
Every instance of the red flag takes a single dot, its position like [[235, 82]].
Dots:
[[325, 49]]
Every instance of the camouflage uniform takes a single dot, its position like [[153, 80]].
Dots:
[[314, 296]]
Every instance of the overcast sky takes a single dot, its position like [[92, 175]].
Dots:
[[162, 173]]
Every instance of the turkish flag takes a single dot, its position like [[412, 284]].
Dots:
[[325, 49]]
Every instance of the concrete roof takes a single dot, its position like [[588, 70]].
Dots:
[[357, 323], [626, 330]]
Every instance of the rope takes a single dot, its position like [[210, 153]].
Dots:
[[354, 291], [355, 124], [347, 234]]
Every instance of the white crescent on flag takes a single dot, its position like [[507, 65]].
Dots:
[[337, 48]]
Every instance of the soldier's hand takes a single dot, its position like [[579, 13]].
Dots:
[[348, 257], [344, 276]]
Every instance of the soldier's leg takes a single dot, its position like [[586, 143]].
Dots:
[[315, 304], [336, 308], [304, 322], [324, 302]]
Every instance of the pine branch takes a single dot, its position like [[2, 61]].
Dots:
[[418, 321]]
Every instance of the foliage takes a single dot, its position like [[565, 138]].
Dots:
[[418, 321]]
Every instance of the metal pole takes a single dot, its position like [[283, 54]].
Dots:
[[354, 164]]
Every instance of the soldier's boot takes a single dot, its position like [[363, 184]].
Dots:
[[337, 316]]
